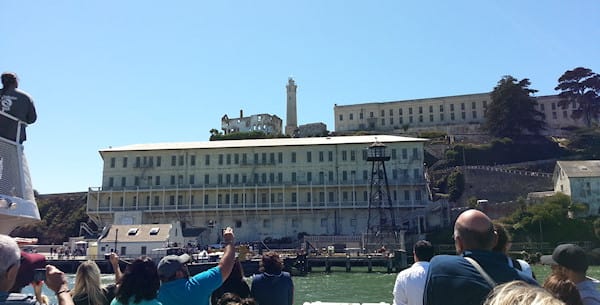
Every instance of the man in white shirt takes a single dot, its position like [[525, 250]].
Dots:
[[410, 283]]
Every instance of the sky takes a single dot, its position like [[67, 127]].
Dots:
[[113, 73]]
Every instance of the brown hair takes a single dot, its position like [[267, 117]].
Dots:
[[563, 289], [271, 263]]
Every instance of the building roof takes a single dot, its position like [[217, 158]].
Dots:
[[265, 143], [138, 233], [586, 168]]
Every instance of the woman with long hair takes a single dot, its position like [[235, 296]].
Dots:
[[87, 289], [235, 283], [139, 284]]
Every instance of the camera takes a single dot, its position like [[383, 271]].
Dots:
[[39, 274]]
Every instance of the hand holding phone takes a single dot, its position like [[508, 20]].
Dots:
[[39, 275]]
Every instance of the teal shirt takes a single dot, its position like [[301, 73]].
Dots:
[[196, 289], [143, 302]]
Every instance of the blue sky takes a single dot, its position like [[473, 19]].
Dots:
[[112, 73]]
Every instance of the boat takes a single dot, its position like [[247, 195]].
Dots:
[[17, 202]]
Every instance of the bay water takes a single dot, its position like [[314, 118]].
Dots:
[[357, 286]]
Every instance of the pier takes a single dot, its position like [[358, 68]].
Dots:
[[388, 263]]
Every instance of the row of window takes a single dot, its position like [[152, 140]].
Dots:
[[264, 198], [258, 158], [410, 111], [258, 178]]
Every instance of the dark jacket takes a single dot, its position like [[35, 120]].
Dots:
[[452, 280], [273, 289]]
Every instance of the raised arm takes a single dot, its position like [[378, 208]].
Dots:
[[57, 282], [114, 261], [228, 259]]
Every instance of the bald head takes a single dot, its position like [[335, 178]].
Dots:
[[473, 230]]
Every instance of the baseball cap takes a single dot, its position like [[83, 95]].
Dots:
[[569, 256], [29, 262], [170, 264]]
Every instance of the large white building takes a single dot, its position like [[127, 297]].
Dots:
[[262, 188], [454, 114], [581, 181]]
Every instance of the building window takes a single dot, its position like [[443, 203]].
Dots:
[[228, 159], [125, 161], [410, 110], [158, 161], [360, 116], [341, 117], [173, 160], [280, 157], [111, 182], [294, 177], [452, 116], [441, 117], [308, 156], [350, 117], [192, 160], [330, 156], [400, 111], [406, 195], [463, 115], [220, 159], [462, 106], [136, 181], [324, 222], [451, 107], [309, 177], [352, 155], [172, 180], [157, 180], [112, 162], [474, 114], [123, 181], [441, 108], [293, 157], [382, 112], [344, 155], [431, 118], [181, 160], [207, 160]]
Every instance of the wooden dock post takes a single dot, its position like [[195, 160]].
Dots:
[[390, 265], [327, 265], [370, 263]]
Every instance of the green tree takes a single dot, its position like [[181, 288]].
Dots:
[[512, 111], [580, 87], [456, 185]]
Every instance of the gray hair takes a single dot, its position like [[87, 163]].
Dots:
[[520, 293], [10, 254]]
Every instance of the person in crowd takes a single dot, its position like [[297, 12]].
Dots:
[[10, 261], [467, 278], [503, 246], [571, 262], [88, 290], [16, 103], [273, 286], [520, 293], [248, 301], [228, 298], [177, 287], [410, 283], [139, 284], [235, 283], [563, 289]]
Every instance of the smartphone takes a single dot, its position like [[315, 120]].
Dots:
[[39, 274]]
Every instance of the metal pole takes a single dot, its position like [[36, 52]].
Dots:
[[116, 236]]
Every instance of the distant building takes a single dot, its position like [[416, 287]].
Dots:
[[452, 114], [581, 181], [136, 239], [262, 188], [311, 130], [269, 124]]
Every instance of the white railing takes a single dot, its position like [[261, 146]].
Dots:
[[17, 202]]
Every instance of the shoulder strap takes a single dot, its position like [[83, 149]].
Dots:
[[484, 274]]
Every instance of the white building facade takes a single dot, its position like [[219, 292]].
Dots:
[[457, 114], [262, 188], [581, 181]]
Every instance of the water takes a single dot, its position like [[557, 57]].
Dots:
[[357, 286]]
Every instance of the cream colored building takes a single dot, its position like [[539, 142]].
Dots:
[[581, 181], [454, 114], [262, 188]]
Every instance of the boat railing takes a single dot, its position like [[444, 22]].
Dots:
[[17, 202]]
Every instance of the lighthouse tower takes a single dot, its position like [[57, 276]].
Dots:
[[291, 118]]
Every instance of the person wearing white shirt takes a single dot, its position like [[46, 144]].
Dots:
[[410, 283]]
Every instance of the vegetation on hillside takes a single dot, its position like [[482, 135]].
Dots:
[[580, 87], [61, 218], [512, 111]]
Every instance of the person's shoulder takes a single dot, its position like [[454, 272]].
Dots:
[[445, 259], [23, 93]]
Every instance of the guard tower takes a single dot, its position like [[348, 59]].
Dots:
[[381, 224]]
